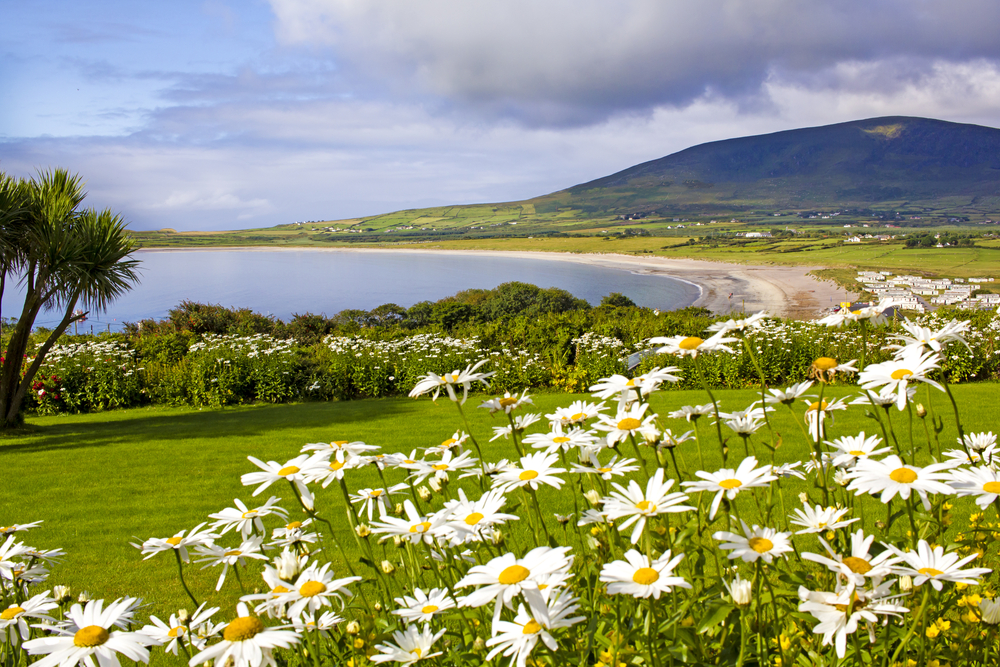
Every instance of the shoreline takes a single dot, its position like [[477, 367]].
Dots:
[[783, 291]]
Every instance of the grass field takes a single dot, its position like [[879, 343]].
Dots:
[[101, 481]]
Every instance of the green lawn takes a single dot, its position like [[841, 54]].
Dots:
[[100, 480]]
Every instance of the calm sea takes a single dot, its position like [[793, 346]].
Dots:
[[285, 282]]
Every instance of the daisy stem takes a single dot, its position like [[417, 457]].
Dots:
[[958, 420], [180, 573], [541, 518], [715, 408], [638, 454], [673, 457], [932, 415], [513, 435], [763, 385], [913, 522], [534, 531], [315, 643], [475, 443], [913, 627], [913, 445], [697, 439]]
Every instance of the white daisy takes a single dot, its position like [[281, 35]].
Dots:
[[755, 321], [912, 365], [422, 607], [860, 564], [557, 440], [381, 498], [521, 422], [934, 565], [178, 542], [730, 482], [441, 467], [245, 519], [314, 589], [88, 632], [328, 449], [414, 527], [215, 555], [505, 577], [517, 639], [982, 482], [627, 423], [819, 519], [693, 412], [13, 619], [850, 448], [755, 543], [507, 403], [294, 471], [787, 396], [576, 413], [891, 476], [612, 468], [682, 346], [640, 578], [979, 441], [469, 520], [448, 382], [839, 613], [411, 645], [532, 470], [175, 632], [931, 339], [246, 642], [638, 505]]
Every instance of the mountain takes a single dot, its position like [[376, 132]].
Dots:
[[876, 163]]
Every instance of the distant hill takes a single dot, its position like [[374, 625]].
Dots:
[[875, 163]]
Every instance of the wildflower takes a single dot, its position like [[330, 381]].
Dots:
[[13, 619], [183, 630], [518, 638], [839, 613], [215, 555], [246, 519], [854, 447], [682, 346], [557, 439], [825, 369], [730, 482], [246, 642], [328, 449], [990, 609], [505, 577], [456, 441], [741, 591], [787, 396], [936, 566], [293, 534], [982, 482], [18, 527], [422, 607], [752, 322], [891, 476], [440, 468], [295, 471], [448, 381], [381, 498], [325, 471], [521, 422], [606, 471], [979, 441], [638, 506], [639, 577], [414, 527], [507, 403], [893, 375], [314, 588], [628, 422], [755, 543], [179, 542], [693, 412], [577, 412], [922, 337], [535, 469], [89, 631], [819, 519], [860, 564]]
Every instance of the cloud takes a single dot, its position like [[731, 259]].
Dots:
[[577, 61]]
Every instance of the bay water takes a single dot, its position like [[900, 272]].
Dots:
[[286, 282]]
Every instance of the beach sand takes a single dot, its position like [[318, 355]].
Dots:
[[784, 291]]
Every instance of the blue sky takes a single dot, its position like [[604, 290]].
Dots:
[[222, 115]]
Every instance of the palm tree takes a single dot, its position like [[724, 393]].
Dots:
[[64, 257]]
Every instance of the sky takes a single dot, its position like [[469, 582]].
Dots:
[[210, 114]]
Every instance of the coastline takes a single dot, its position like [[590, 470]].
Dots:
[[784, 291]]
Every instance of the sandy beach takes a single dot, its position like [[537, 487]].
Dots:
[[785, 291]]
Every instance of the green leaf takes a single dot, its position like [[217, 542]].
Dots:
[[714, 616]]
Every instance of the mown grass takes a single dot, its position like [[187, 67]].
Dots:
[[101, 481]]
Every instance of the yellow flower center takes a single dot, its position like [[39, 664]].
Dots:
[[929, 571], [579, 416], [417, 652], [11, 612], [336, 465], [604, 470], [278, 590], [473, 518], [760, 544], [629, 424], [440, 466], [507, 401], [814, 406], [234, 552], [531, 627], [176, 632], [630, 383], [429, 609], [690, 343], [857, 565], [337, 444], [242, 629], [450, 377], [421, 527], [901, 374], [174, 541], [903, 476], [856, 452], [311, 589], [90, 636], [991, 487], [249, 514], [514, 574], [730, 483], [376, 493], [295, 525], [528, 474], [645, 506], [825, 364], [449, 442], [558, 440], [288, 470], [645, 576]]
